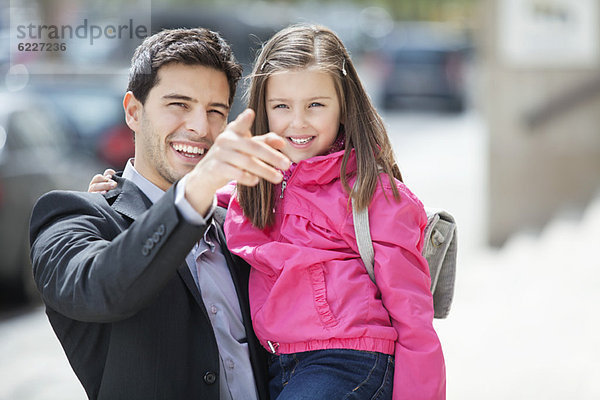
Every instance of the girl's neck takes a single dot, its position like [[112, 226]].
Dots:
[[338, 144]]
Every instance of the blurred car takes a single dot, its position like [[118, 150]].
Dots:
[[424, 68], [93, 113], [35, 157]]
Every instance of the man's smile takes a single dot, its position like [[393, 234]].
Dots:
[[189, 150]]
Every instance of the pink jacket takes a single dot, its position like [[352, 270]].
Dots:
[[309, 289]]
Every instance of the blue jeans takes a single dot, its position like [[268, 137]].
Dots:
[[331, 374]]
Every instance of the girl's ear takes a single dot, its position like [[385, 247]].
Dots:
[[133, 111]]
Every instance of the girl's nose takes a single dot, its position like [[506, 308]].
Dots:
[[299, 119]]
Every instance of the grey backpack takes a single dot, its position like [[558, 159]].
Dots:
[[439, 250]]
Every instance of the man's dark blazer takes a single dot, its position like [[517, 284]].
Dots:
[[111, 270]]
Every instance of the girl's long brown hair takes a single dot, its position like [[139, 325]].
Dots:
[[316, 47]]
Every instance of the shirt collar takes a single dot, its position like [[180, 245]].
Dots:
[[153, 192]]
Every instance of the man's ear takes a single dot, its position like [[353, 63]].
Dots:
[[133, 111]]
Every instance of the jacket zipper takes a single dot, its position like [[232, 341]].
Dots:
[[273, 346], [283, 185], [286, 176]]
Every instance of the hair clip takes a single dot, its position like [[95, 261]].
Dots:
[[344, 67], [262, 67]]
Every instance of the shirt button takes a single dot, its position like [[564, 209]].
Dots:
[[213, 309], [210, 378], [229, 363]]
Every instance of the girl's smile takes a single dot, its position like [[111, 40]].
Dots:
[[300, 141]]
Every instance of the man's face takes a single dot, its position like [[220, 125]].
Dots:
[[183, 114]]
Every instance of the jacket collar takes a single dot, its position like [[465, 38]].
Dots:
[[323, 169], [129, 200]]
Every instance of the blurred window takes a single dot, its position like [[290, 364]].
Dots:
[[33, 128], [90, 112]]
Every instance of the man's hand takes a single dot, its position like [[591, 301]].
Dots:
[[235, 155]]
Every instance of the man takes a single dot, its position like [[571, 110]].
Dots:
[[138, 284]]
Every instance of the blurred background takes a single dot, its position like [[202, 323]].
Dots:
[[493, 110]]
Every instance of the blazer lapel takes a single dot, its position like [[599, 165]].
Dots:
[[188, 279], [129, 199]]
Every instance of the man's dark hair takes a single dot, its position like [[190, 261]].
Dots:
[[198, 46]]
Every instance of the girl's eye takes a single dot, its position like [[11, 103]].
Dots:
[[315, 104], [280, 106]]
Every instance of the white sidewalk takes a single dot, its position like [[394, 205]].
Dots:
[[523, 324], [33, 365]]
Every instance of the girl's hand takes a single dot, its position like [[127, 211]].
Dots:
[[102, 183]]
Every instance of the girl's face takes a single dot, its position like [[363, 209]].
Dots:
[[303, 107]]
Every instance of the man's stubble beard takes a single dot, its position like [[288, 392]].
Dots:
[[155, 149]]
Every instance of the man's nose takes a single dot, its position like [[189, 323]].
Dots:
[[197, 121]]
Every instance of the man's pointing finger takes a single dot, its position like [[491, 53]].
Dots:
[[242, 124]]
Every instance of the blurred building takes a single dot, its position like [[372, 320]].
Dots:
[[540, 61]]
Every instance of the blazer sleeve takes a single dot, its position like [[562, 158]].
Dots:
[[402, 276], [89, 265]]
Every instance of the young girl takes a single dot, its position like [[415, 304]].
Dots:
[[333, 333]]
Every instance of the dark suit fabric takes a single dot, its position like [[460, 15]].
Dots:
[[111, 270]]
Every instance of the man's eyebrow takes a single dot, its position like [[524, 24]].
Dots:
[[175, 96]]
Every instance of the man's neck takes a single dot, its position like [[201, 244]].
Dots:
[[152, 191]]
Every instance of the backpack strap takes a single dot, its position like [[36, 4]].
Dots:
[[363, 238], [439, 250]]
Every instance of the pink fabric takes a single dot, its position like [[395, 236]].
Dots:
[[224, 194], [309, 289]]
